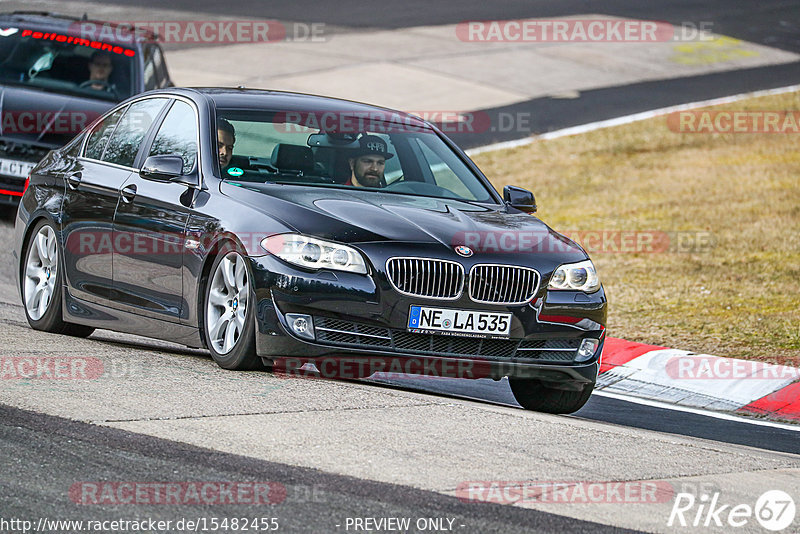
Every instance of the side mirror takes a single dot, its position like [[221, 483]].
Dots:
[[162, 168], [519, 198]]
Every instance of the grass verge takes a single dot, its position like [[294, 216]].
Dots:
[[728, 204]]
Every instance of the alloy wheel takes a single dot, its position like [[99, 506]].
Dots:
[[227, 302], [41, 272]]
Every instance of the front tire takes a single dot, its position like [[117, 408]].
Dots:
[[229, 304], [533, 395], [42, 284]]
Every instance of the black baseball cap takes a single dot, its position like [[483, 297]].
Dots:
[[372, 144]]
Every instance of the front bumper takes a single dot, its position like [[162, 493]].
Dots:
[[361, 318]]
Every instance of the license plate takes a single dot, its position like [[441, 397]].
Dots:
[[20, 169], [426, 320]]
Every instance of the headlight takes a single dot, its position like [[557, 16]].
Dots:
[[581, 276], [313, 253]]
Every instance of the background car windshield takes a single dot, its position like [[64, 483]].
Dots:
[[270, 147], [28, 58]]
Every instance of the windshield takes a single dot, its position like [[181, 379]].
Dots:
[[64, 63], [373, 155]]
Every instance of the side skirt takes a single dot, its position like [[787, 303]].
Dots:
[[91, 314]]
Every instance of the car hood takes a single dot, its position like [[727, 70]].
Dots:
[[45, 119], [352, 216]]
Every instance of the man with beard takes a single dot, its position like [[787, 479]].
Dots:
[[368, 162], [226, 137]]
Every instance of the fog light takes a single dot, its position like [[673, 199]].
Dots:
[[587, 349], [302, 325]]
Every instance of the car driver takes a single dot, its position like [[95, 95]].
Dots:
[[100, 68], [368, 162]]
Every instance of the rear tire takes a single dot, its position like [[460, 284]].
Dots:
[[228, 318], [531, 394], [42, 283]]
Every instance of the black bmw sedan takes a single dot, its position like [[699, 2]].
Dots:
[[283, 230]]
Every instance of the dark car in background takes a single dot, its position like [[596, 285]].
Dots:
[[46, 96], [275, 259]]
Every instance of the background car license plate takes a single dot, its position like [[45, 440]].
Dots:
[[11, 167], [459, 322]]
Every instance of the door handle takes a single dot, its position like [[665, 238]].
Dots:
[[128, 192], [74, 180]]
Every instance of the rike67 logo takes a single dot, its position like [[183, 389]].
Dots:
[[774, 510]]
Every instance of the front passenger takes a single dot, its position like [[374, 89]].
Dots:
[[226, 137]]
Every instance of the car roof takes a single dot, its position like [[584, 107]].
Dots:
[[60, 21], [263, 99]]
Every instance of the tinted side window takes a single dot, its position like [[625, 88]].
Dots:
[[178, 135], [443, 175], [125, 141], [100, 134]]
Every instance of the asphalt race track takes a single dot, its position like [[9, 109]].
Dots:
[[162, 413], [772, 22], [614, 411], [314, 501], [335, 452]]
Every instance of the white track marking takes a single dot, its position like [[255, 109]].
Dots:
[[716, 415], [627, 119]]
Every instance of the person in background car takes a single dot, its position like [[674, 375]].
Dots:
[[100, 68], [226, 137], [368, 162]]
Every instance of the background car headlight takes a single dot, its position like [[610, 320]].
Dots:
[[581, 276], [313, 253]]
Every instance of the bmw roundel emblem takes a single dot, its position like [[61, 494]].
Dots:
[[464, 251]]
